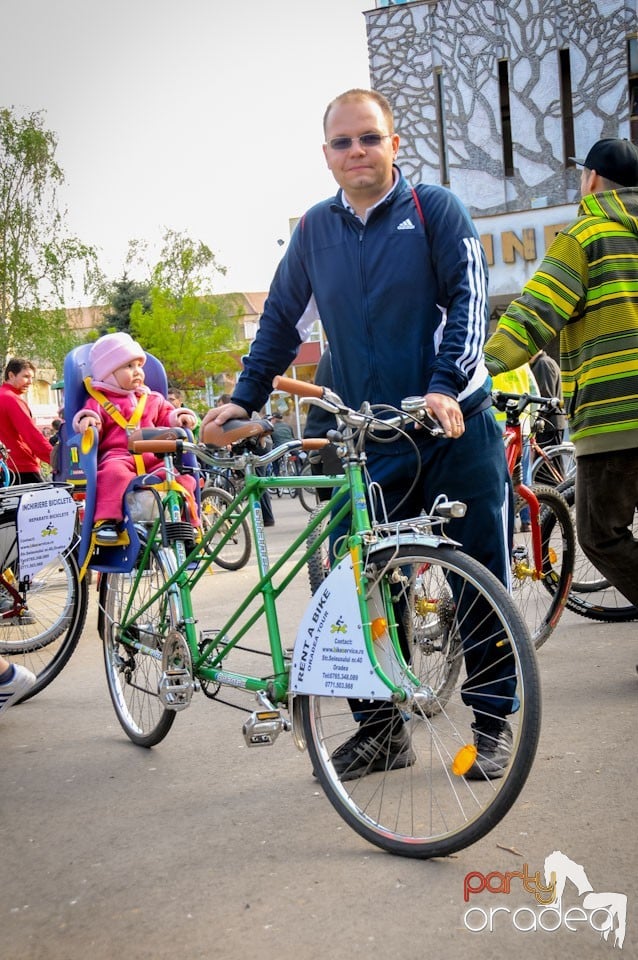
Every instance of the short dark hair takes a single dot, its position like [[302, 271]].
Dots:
[[16, 365], [359, 94]]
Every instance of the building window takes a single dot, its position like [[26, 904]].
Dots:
[[506, 120], [632, 63], [444, 167], [566, 106]]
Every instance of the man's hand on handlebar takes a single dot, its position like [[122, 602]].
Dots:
[[228, 411], [447, 411]]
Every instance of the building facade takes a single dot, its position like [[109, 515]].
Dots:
[[492, 99]]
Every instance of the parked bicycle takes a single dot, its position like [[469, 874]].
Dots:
[[394, 583], [544, 546], [43, 602]]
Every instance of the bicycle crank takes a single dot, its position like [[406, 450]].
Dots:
[[176, 685]]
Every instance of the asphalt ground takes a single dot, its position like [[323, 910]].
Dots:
[[204, 848]]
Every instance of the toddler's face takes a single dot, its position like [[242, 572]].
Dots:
[[130, 375]]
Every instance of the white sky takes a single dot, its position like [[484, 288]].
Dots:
[[197, 115]]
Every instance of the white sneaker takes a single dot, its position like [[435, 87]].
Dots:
[[21, 681]]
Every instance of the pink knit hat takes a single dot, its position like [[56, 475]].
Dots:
[[112, 351]]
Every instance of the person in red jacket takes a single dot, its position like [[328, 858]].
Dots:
[[27, 446]]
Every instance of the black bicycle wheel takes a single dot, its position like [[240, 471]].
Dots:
[[591, 595], [235, 552], [47, 633], [134, 645], [431, 805], [554, 465], [540, 591], [308, 496]]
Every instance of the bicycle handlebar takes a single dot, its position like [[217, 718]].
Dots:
[[503, 401], [297, 387]]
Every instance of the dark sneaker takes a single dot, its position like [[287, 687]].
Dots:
[[366, 753], [493, 741]]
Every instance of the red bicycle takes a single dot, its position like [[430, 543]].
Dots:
[[545, 545]]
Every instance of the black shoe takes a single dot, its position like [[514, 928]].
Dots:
[[107, 533], [493, 741], [366, 753]]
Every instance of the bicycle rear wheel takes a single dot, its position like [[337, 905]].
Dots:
[[134, 636], [44, 638], [423, 809], [236, 550], [591, 595], [540, 589], [308, 496]]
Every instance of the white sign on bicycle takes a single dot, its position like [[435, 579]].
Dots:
[[330, 656], [46, 523]]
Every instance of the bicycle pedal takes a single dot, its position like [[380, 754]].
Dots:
[[263, 727], [175, 689]]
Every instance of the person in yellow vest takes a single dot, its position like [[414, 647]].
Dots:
[[520, 380], [119, 401]]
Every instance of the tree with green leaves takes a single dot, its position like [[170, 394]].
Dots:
[[121, 296], [191, 330], [38, 259]]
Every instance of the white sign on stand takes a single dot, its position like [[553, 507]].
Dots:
[[46, 524]]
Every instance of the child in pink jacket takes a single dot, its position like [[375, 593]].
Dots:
[[123, 403]]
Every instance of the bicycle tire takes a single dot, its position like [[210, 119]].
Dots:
[[236, 551], [424, 810], [591, 595], [563, 465], [133, 676], [541, 595], [44, 640], [308, 496]]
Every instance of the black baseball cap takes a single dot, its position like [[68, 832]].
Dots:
[[615, 160]]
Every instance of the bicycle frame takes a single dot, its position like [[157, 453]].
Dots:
[[513, 439], [349, 496]]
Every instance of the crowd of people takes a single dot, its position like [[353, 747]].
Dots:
[[397, 274]]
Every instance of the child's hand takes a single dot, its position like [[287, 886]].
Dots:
[[187, 421], [87, 422]]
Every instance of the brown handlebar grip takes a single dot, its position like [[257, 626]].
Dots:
[[314, 443], [153, 446], [297, 387]]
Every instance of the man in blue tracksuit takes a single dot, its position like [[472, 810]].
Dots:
[[398, 277]]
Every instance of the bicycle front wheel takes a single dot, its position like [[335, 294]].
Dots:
[[235, 552], [136, 616], [44, 638], [541, 584], [440, 797]]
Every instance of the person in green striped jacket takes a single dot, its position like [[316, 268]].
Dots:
[[586, 291]]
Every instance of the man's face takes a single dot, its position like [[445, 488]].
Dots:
[[362, 172], [21, 381]]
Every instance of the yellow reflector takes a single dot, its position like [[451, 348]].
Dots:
[[464, 760], [552, 555], [378, 627]]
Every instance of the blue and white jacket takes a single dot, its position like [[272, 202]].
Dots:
[[402, 298]]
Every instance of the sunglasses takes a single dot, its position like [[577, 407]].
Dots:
[[365, 140]]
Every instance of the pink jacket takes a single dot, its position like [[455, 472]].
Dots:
[[113, 441]]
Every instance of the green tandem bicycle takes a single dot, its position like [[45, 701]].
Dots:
[[403, 619]]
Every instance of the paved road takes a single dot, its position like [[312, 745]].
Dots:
[[202, 848]]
